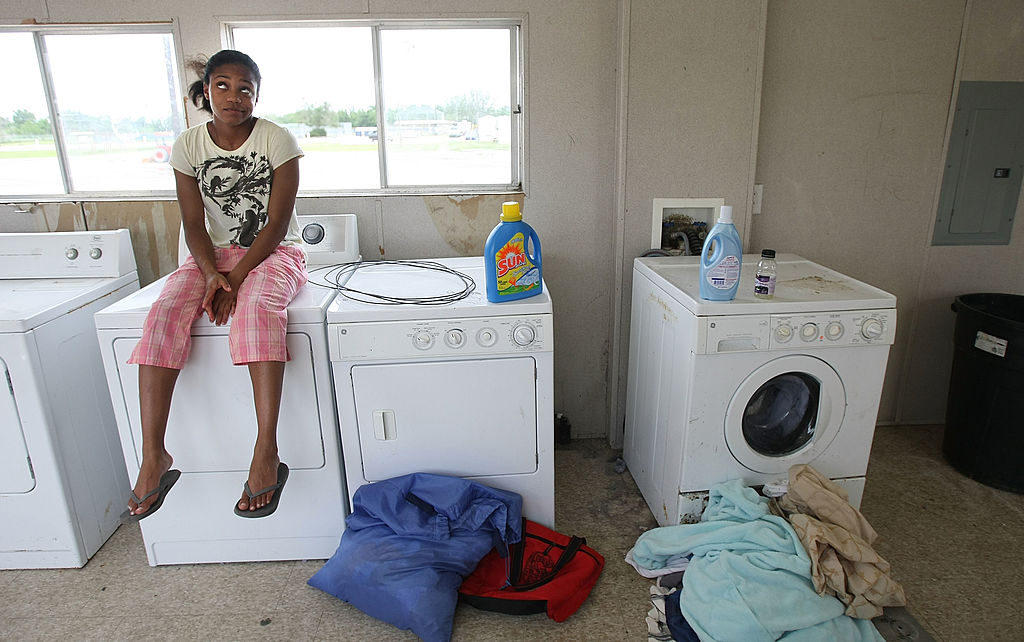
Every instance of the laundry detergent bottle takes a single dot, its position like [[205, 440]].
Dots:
[[511, 270], [721, 259]]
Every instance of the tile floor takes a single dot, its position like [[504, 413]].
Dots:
[[957, 547]]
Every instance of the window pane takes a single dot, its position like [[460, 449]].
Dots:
[[324, 93], [28, 156], [447, 99], [118, 132]]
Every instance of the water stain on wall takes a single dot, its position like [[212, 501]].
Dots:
[[25, 217], [59, 217], [154, 230], [465, 221]]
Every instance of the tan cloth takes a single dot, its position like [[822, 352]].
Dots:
[[839, 541]]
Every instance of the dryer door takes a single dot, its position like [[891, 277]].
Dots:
[[462, 418], [786, 412], [212, 423]]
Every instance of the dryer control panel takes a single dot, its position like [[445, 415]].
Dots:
[[55, 255], [755, 333], [440, 338]]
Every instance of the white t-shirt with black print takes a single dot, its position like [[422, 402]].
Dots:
[[235, 185]]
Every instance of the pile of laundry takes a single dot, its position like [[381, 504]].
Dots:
[[797, 567]]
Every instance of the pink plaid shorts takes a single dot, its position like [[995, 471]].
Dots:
[[258, 328]]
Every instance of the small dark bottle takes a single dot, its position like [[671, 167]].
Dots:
[[764, 280]]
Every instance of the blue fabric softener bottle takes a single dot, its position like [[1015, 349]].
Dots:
[[721, 259], [511, 271]]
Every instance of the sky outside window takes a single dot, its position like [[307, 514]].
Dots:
[[118, 107], [28, 156], [446, 98]]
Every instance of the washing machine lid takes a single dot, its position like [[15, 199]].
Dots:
[[309, 306], [802, 286], [413, 280], [26, 304]]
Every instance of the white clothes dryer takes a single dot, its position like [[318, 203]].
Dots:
[[744, 389], [429, 382], [212, 427], [62, 477]]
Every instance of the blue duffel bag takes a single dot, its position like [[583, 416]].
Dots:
[[410, 541]]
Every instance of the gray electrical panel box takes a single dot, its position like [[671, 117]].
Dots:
[[984, 165]]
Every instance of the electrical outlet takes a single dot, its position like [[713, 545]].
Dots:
[[755, 206]]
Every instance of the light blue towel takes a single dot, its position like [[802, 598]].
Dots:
[[750, 577]]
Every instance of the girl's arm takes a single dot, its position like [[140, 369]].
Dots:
[[193, 220]]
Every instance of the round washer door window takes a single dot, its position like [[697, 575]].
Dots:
[[786, 412]]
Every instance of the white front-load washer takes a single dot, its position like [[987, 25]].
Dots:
[[212, 427], [427, 381], [62, 477], [744, 389]]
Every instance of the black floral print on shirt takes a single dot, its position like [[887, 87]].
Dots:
[[240, 185]]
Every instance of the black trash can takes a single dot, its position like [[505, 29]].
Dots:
[[984, 436]]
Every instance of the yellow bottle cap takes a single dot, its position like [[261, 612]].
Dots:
[[510, 211]]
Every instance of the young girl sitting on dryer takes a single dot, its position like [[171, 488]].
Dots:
[[236, 177]]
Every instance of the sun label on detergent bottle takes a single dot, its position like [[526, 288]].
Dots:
[[721, 260], [512, 271]]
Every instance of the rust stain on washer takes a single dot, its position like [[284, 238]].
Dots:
[[667, 313], [817, 284], [464, 222]]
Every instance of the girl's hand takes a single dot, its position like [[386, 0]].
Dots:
[[223, 305], [219, 300]]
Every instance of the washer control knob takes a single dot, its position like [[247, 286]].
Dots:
[[809, 331], [95, 253], [422, 340], [313, 233], [783, 333], [455, 338], [523, 335], [834, 330], [871, 329], [71, 253], [487, 337]]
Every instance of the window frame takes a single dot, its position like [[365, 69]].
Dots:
[[517, 93], [39, 31]]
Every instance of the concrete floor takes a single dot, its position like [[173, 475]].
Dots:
[[956, 546]]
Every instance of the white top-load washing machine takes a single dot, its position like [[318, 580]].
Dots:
[[744, 389], [430, 382], [212, 427], [62, 477]]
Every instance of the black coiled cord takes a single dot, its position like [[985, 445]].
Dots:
[[335, 277]]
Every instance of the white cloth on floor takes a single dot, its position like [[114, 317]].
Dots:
[[657, 619], [673, 564]]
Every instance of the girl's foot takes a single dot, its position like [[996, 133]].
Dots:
[[150, 473], [262, 474]]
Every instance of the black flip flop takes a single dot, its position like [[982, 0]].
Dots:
[[167, 480], [282, 477]]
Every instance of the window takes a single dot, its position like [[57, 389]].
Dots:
[[394, 106], [94, 110]]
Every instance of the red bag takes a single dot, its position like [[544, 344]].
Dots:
[[545, 571]]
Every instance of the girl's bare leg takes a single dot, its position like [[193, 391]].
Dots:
[[156, 385], [267, 386]]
